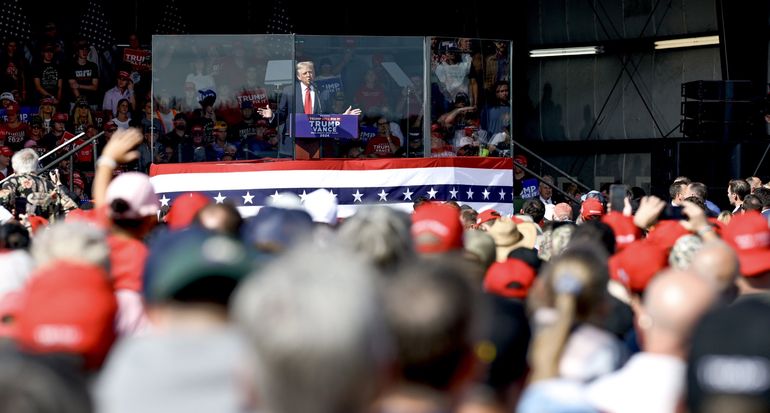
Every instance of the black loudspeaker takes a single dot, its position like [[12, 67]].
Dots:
[[719, 110]]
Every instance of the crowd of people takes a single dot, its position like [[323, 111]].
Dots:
[[127, 307], [111, 303], [208, 101]]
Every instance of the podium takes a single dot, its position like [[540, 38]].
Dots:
[[315, 135]]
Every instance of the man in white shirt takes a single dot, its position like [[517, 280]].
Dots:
[[124, 89], [546, 192], [654, 379]]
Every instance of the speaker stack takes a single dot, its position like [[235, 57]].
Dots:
[[718, 109]]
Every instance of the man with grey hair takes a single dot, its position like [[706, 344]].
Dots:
[[317, 336], [27, 192], [380, 234]]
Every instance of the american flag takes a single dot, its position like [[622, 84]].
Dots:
[[279, 21], [13, 21], [96, 27], [482, 183], [170, 20]]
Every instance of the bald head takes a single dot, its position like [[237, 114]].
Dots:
[[717, 263], [674, 301]]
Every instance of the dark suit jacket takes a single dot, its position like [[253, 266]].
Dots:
[[289, 104], [285, 108]]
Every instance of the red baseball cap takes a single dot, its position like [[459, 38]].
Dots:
[[624, 228], [110, 126], [36, 223], [68, 308], [46, 101], [184, 208], [511, 278], [437, 228], [124, 75], [60, 117], [749, 235], [636, 264], [521, 159], [486, 216], [665, 234], [97, 217], [591, 207], [6, 151]]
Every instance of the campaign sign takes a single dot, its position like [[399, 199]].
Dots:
[[326, 126], [25, 114], [530, 188], [138, 59], [368, 132], [331, 85]]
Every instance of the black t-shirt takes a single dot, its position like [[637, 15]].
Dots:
[[84, 75], [244, 129], [49, 75]]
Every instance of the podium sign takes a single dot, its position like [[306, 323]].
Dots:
[[326, 126]]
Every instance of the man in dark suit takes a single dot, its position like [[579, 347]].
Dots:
[[307, 99]]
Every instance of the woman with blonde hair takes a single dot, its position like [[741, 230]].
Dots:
[[81, 117], [46, 111], [725, 217]]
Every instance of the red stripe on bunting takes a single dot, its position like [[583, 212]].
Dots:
[[330, 164]]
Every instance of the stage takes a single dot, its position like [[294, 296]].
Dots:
[[480, 182]]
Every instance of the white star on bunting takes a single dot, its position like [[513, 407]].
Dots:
[[408, 194], [383, 195], [486, 193], [247, 199], [453, 193], [302, 196], [470, 193], [219, 198], [432, 193], [357, 196], [275, 196], [164, 200]]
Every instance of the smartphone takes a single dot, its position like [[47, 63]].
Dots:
[[672, 212], [20, 206], [617, 197]]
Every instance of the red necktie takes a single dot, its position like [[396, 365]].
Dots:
[[308, 102]]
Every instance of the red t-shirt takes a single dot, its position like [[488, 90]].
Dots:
[[14, 137], [127, 258], [86, 154]]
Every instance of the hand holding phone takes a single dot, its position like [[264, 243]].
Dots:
[[673, 213], [617, 197]]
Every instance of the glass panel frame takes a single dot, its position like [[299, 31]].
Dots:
[[186, 67]]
